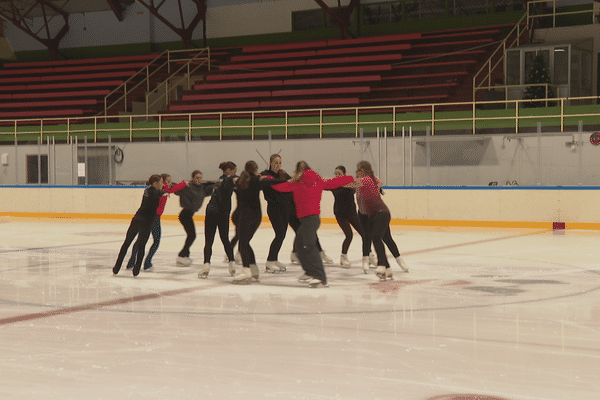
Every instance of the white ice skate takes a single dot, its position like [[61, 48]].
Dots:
[[249, 274], [372, 259], [294, 258], [344, 262], [365, 264], [203, 273], [232, 268], [272, 267], [381, 272], [402, 264], [317, 283], [305, 278], [184, 261], [325, 258]]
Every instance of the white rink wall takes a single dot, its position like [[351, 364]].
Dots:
[[577, 207]]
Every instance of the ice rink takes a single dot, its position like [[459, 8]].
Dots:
[[490, 313]]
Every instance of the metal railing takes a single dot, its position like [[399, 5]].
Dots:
[[162, 63], [499, 54], [203, 55], [511, 116], [526, 22]]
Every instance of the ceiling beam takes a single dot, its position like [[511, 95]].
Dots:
[[184, 32], [342, 19], [19, 20], [116, 8]]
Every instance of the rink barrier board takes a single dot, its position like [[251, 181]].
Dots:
[[451, 206]]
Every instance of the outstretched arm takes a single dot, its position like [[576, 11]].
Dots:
[[338, 182]]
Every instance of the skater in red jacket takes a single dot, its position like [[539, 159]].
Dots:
[[307, 187]]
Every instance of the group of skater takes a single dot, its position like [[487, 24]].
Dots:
[[292, 200]]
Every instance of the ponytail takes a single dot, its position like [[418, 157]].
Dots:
[[249, 170]]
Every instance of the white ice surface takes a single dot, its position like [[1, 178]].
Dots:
[[511, 314]]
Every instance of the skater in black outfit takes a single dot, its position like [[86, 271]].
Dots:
[[217, 216], [190, 200], [249, 216], [141, 224], [281, 212], [156, 230], [344, 209]]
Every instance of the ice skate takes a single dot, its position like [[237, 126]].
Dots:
[[148, 267], [317, 283], [381, 272], [344, 262], [116, 269], [325, 258], [294, 258], [281, 266], [203, 273], [365, 264], [402, 264], [238, 258], [232, 268], [304, 278], [248, 275], [244, 277], [184, 261], [388, 274], [272, 267], [372, 259]]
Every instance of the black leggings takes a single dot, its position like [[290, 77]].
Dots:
[[186, 217], [212, 221], [156, 234], [347, 222], [280, 218], [235, 217], [139, 227], [387, 238], [248, 223], [375, 228]]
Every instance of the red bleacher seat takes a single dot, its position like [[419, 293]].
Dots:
[[357, 59], [374, 39], [222, 96], [79, 93], [309, 103], [232, 85], [343, 70], [321, 92], [53, 103], [274, 56], [212, 107], [249, 75], [42, 113], [284, 46], [364, 49], [325, 81]]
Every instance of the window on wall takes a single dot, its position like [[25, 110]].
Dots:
[[37, 172], [513, 67], [381, 13], [308, 20], [330, 23], [561, 65]]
